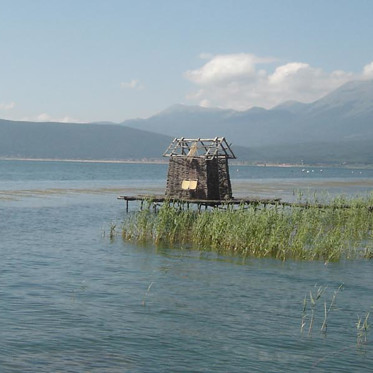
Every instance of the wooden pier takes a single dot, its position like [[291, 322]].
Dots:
[[200, 202], [227, 202]]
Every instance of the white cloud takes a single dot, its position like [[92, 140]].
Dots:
[[226, 68], [44, 117], [368, 71], [235, 81], [133, 84], [7, 105]]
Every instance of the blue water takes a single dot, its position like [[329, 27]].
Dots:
[[72, 300]]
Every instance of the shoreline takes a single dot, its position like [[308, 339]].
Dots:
[[83, 160], [160, 161]]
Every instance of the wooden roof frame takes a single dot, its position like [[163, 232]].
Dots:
[[200, 148]]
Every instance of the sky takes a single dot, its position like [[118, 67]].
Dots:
[[112, 60]]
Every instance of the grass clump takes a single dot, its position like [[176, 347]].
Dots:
[[342, 229]]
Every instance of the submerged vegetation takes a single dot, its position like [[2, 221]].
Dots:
[[340, 229], [310, 303], [317, 307]]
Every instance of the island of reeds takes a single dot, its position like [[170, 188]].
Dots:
[[340, 229]]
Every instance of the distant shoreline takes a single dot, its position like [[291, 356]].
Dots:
[[160, 161], [82, 160]]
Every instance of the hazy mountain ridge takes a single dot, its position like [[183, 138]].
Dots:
[[78, 141], [346, 113], [338, 128], [242, 128]]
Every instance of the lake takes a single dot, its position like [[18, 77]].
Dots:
[[73, 300]]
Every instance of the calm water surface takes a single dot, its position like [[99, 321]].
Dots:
[[72, 300]]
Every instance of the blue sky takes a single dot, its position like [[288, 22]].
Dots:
[[89, 60]]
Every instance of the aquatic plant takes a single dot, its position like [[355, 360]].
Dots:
[[311, 312], [362, 327], [308, 231], [112, 231], [310, 303]]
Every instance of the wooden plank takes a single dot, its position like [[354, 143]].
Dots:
[[216, 147], [233, 201]]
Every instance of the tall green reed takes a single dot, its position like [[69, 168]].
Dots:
[[341, 229]]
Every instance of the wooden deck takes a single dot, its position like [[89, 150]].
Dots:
[[234, 201], [200, 202]]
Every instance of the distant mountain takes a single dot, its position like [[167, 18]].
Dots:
[[353, 99], [344, 114], [338, 128], [291, 106], [78, 141], [250, 128]]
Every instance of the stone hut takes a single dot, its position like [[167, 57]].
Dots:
[[198, 169]]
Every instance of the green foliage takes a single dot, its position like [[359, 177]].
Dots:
[[342, 229]]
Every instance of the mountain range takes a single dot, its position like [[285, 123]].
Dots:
[[338, 128], [344, 114], [78, 141]]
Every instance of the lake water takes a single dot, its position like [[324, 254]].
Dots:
[[72, 300]]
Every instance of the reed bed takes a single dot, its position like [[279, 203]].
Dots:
[[342, 229]]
